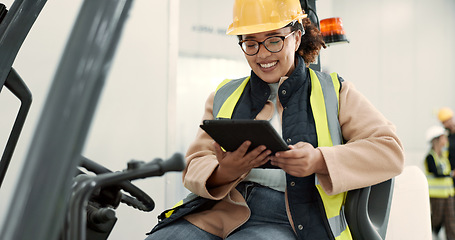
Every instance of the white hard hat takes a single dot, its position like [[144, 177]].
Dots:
[[434, 132]]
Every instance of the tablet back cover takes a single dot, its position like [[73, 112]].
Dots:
[[231, 133]]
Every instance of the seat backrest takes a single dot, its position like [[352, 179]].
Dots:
[[374, 213], [367, 211], [410, 216]]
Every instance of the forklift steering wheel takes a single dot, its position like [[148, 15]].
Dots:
[[137, 198]]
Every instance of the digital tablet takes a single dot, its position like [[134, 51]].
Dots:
[[231, 133]]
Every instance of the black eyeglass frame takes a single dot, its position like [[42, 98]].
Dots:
[[259, 43]]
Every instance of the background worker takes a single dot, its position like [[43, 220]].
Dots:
[[445, 115], [441, 190], [302, 198]]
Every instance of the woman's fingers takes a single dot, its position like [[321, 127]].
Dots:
[[241, 159]]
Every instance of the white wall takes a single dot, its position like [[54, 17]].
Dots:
[[401, 56]]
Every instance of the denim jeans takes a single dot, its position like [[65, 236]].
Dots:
[[268, 219]]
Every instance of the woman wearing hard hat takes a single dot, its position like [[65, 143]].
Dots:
[[440, 183], [338, 141]]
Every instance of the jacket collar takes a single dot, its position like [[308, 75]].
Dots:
[[260, 90]]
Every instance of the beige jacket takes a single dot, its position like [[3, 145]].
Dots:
[[372, 154]]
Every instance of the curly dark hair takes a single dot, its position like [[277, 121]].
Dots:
[[311, 42]]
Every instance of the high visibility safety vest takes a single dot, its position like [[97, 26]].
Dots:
[[440, 187], [324, 100]]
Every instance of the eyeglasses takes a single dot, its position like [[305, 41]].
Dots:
[[272, 44]]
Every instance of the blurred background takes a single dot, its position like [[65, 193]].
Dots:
[[173, 53]]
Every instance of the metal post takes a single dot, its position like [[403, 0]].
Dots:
[[41, 197], [18, 87], [309, 6], [14, 27], [13, 30]]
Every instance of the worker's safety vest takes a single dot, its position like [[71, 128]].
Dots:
[[440, 187], [324, 100]]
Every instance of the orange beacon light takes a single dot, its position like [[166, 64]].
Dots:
[[332, 31]]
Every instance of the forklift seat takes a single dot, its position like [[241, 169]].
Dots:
[[373, 211], [367, 210], [410, 215]]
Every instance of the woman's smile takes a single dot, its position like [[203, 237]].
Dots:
[[268, 66]]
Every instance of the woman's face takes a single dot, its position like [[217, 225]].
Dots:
[[270, 67], [443, 141]]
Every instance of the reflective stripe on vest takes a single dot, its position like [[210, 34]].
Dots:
[[440, 187], [324, 100], [226, 99], [190, 197]]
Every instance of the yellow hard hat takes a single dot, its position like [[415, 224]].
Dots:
[[445, 114], [253, 16]]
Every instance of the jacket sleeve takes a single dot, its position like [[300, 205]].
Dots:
[[201, 162], [372, 152]]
